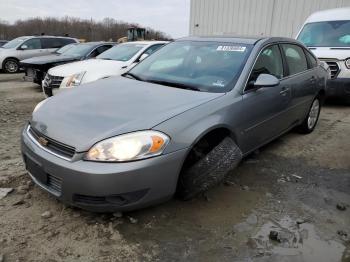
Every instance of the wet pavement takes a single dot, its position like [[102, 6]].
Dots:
[[290, 201]]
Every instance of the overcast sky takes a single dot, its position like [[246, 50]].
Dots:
[[169, 16]]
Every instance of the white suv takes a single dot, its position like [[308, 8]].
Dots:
[[27, 47], [327, 34]]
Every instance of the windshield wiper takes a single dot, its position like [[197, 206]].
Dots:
[[133, 76], [174, 84]]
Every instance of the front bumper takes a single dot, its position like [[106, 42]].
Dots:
[[339, 87], [33, 75], [103, 187]]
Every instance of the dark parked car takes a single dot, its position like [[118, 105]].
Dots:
[[2, 42], [36, 68], [177, 122]]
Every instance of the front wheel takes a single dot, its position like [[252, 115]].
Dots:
[[209, 170], [312, 117], [11, 66]]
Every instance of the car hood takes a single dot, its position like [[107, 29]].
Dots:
[[110, 107], [48, 59], [98, 65], [331, 53]]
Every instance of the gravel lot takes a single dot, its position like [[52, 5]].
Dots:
[[288, 202]]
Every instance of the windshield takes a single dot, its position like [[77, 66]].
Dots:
[[122, 52], [78, 50], [14, 43], [64, 48], [326, 34], [205, 66]]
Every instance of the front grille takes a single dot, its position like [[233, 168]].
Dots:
[[334, 68], [46, 180], [54, 183], [117, 200], [59, 149], [53, 81]]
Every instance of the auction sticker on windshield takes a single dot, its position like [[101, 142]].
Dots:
[[231, 48]]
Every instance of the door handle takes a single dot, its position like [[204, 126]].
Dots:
[[313, 79], [284, 91]]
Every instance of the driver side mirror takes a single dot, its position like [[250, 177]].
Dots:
[[266, 80], [142, 57], [23, 47]]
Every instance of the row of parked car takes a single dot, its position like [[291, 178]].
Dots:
[[174, 122], [53, 68], [323, 32]]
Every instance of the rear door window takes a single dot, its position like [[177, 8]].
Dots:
[[152, 49], [101, 49], [51, 43], [295, 58]]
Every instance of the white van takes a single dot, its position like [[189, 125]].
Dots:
[[327, 34]]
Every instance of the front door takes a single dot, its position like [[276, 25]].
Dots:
[[265, 107], [30, 48]]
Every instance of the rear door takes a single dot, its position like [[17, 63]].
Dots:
[[148, 51], [301, 77], [99, 50], [50, 45], [265, 107]]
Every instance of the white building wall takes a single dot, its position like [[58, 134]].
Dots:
[[254, 17]]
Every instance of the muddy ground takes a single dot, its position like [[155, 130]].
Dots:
[[280, 204]]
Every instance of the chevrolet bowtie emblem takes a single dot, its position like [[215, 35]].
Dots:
[[42, 141]]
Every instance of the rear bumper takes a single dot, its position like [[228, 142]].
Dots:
[[103, 187], [338, 87]]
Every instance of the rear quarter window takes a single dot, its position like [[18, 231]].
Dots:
[[311, 58], [66, 41]]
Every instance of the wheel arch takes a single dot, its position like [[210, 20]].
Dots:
[[220, 133], [220, 129], [7, 58], [322, 95]]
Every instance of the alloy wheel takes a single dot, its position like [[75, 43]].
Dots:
[[11, 66], [313, 114]]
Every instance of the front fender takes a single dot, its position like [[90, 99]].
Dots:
[[188, 128]]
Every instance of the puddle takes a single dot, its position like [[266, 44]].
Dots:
[[298, 240]]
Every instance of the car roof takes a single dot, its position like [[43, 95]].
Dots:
[[147, 42], [330, 15], [97, 43], [47, 36], [250, 40]]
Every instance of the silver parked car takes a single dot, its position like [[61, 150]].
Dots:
[[177, 122], [27, 47]]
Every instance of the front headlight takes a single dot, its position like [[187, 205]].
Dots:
[[73, 80], [347, 63], [128, 147]]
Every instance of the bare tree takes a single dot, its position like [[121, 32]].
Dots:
[[88, 29]]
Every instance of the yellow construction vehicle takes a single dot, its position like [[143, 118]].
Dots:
[[134, 34]]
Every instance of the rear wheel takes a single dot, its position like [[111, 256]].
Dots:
[[311, 119], [11, 66], [209, 170]]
